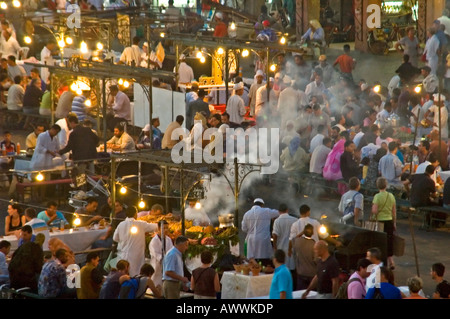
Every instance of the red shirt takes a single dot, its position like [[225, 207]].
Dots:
[[220, 30], [345, 62]]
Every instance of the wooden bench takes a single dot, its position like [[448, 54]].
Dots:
[[429, 210], [27, 188]]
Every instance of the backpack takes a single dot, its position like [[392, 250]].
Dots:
[[129, 288], [342, 291], [350, 206]]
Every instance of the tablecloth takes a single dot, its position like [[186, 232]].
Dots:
[[238, 286], [77, 240], [295, 295]]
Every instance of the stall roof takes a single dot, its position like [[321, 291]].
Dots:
[[107, 70]]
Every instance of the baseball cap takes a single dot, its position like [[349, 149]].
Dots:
[[146, 128]]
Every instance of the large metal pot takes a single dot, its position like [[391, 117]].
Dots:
[[226, 220]]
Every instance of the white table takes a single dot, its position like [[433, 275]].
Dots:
[[77, 240], [238, 286]]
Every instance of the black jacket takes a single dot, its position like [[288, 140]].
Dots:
[[83, 144]]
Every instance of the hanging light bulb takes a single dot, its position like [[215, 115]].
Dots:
[[16, 4], [233, 26], [77, 222], [126, 84], [199, 55], [283, 40], [220, 51], [83, 47], [69, 40], [141, 204], [123, 190], [88, 103], [61, 43], [245, 53], [79, 91], [418, 89], [99, 46], [198, 205], [27, 40], [3, 5], [273, 67], [202, 59], [162, 34], [377, 88], [133, 230], [74, 87], [40, 177], [120, 81]]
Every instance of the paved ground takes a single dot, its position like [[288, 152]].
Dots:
[[431, 246]]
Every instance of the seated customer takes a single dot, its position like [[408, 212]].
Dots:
[[15, 95], [26, 235], [52, 217], [88, 214], [32, 97], [31, 139], [121, 141]]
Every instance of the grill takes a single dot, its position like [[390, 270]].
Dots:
[[356, 241]]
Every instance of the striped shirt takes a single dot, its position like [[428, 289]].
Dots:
[[79, 108]]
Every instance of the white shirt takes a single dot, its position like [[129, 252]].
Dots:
[[186, 74], [288, 103], [121, 106], [256, 223], [282, 228], [236, 109], [261, 99], [155, 249], [15, 97], [153, 57], [41, 159], [318, 159], [63, 135], [444, 120], [10, 47], [131, 246], [300, 224], [198, 216], [393, 83], [314, 89], [422, 167], [130, 54], [46, 58], [315, 142]]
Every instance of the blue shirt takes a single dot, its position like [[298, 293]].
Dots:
[[52, 280], [387, 290], [173, 261], [33, 238], [56, 222], [281, 281]]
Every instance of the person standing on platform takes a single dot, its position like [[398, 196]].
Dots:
[[173, 273], [256, 223], [157, 252], [282, 285], [235, 105]]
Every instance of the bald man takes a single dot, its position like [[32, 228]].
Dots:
[[326, 281]]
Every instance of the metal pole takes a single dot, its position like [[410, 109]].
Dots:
[[227, 75], [414, 140], [414, 243], [177, 66], [182, 204], [268, 77], [236, 192], [440, 124], [52, 97], [113, 186], [150, 102], [166, 187], [104, 113]]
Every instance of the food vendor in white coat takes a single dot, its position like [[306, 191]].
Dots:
[[130, 236], [45, 154], [197, 214], [256, 223], [156, 252]]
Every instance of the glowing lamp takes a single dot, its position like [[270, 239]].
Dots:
[[123, 190], [220, 51], [69, 40], [40, 177], [199, 55], [283, 40], [88, 103], [83, 47], [133, 230], [61, 43], [202, 59], [79, 91], [27, 40], [377, 89], [141, 204], [99, 46], [3, 5], [418, 89], [16, 4], [245, 53], [323, 231], [77, 222], [198, 205], [233, 26], [74, 87], [162, 34], [126, 84], [273, 67], [120, 82]]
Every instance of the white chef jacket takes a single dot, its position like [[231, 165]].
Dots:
[[289, 102], [46, 58], [236, 109], [41, 159], [10, 47], [130, 54], [186, 74], [131, 247], [121, 106], [256, 223], [282, 228], [261, 99], [155, 249], [300, 224]]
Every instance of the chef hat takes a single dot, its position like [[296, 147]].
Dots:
[[145, 44], [261, 73], [258, 200], [219, 15], [238, 86], [182, 57]]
